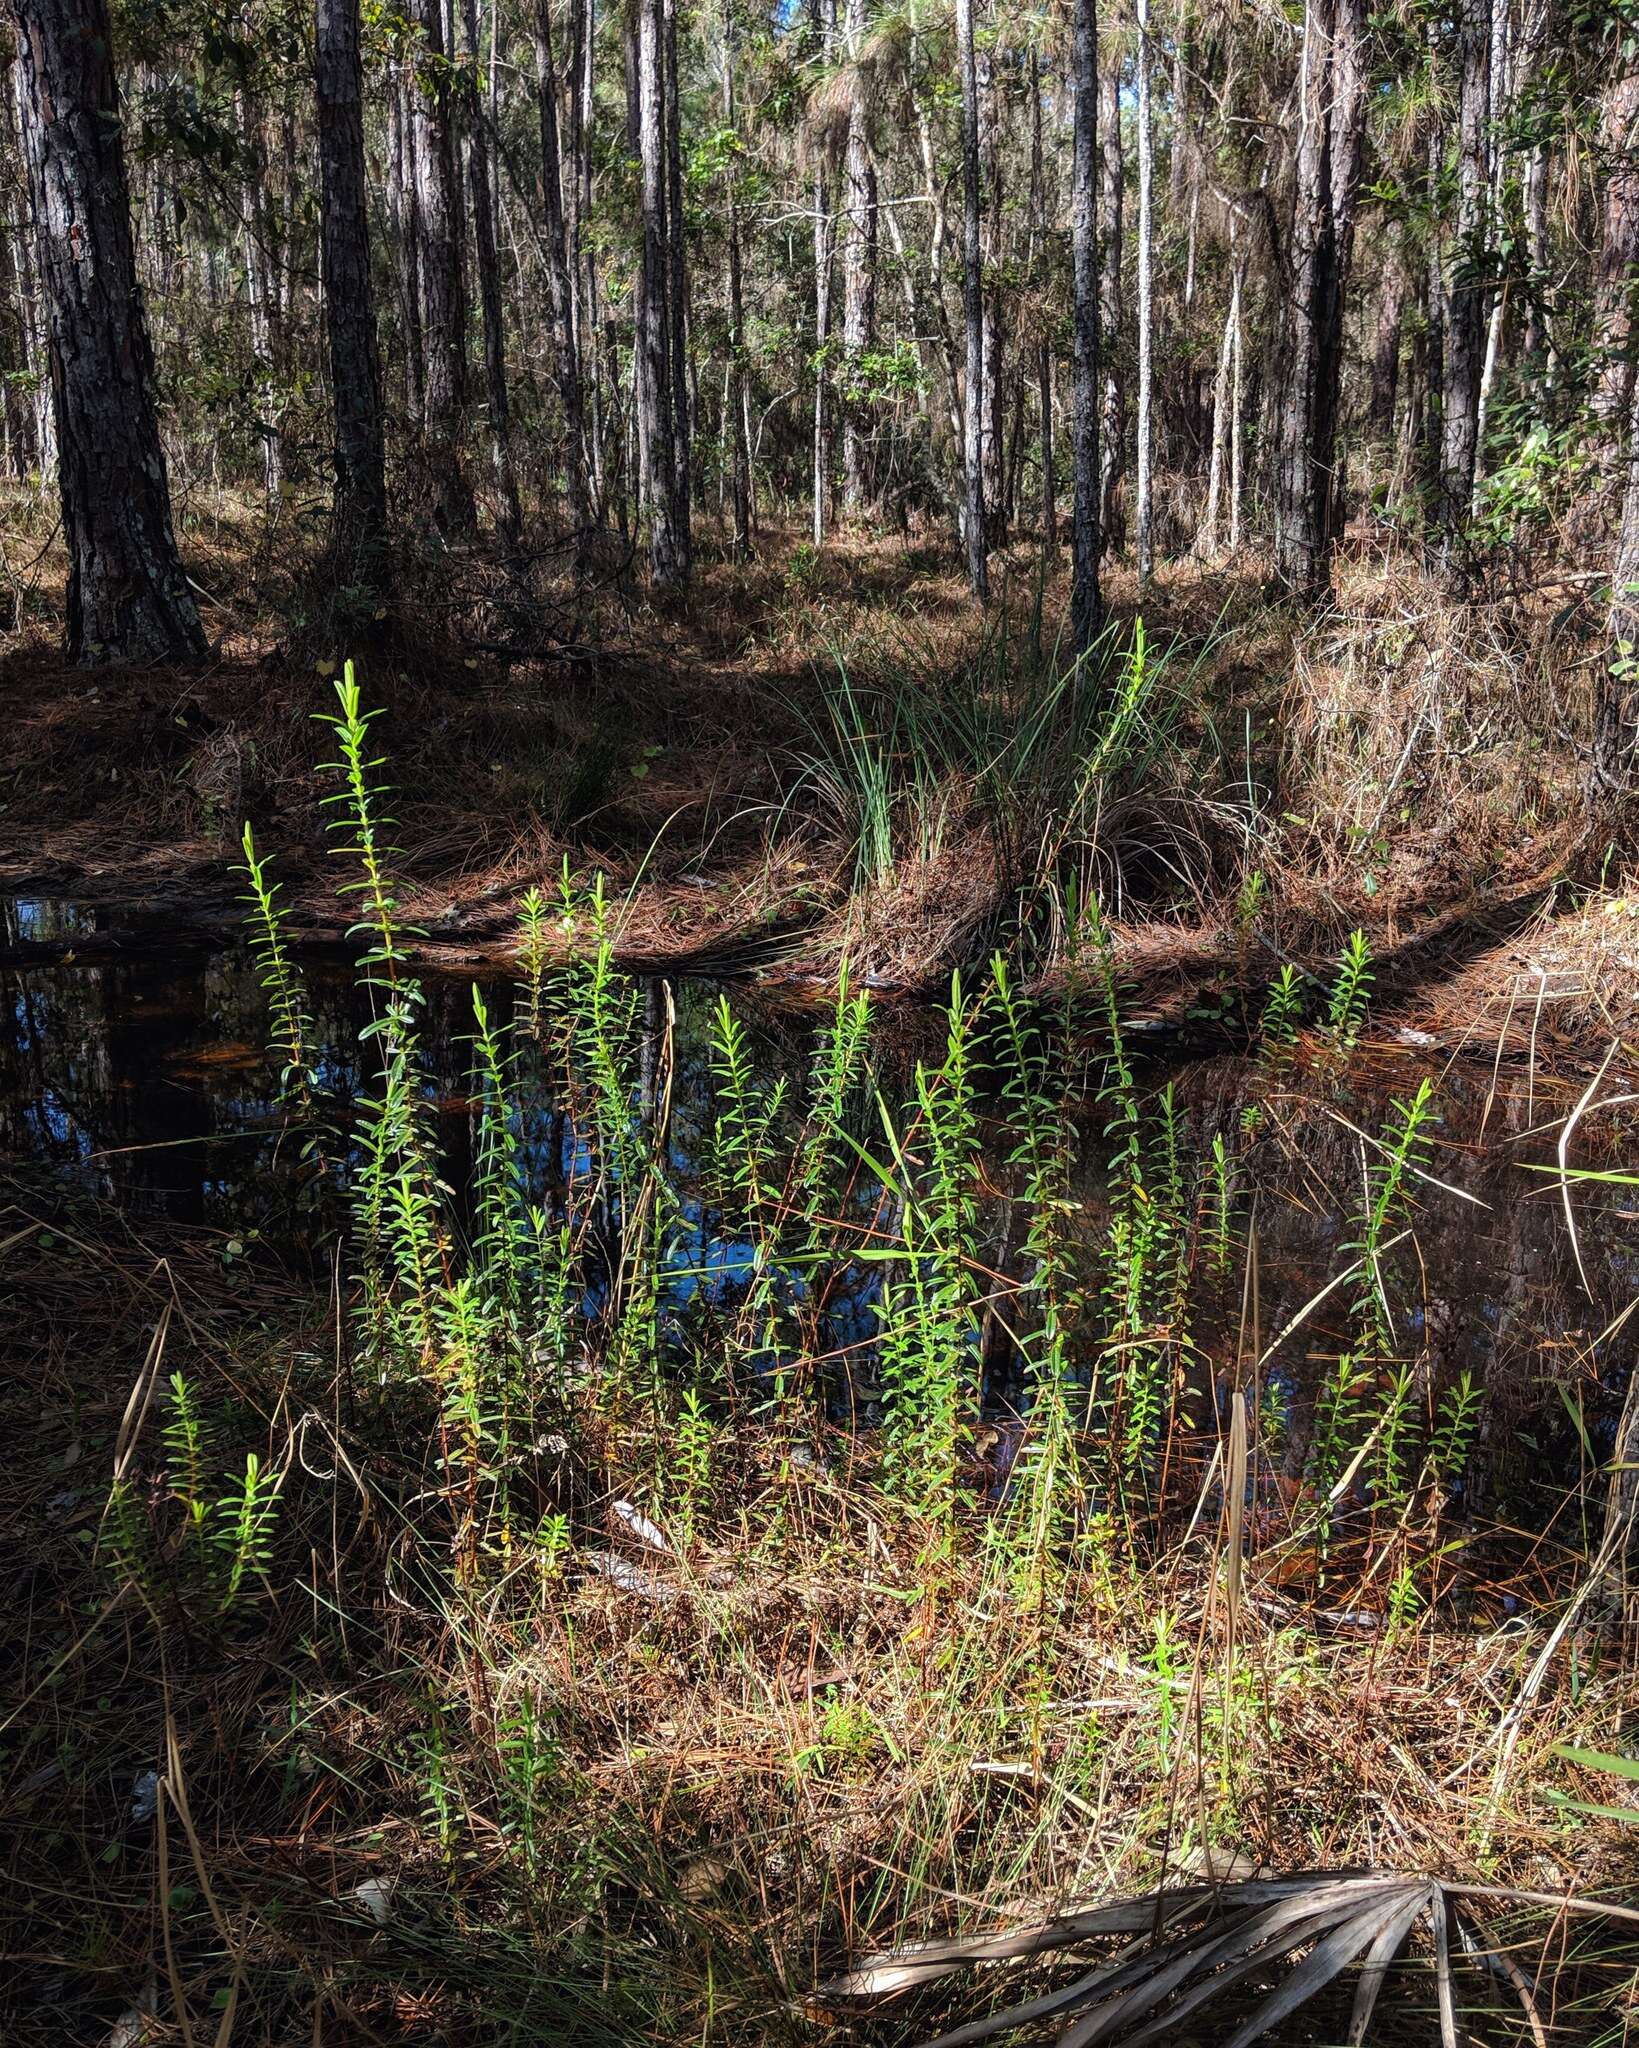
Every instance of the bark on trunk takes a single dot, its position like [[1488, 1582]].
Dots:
[[973, 409], [1146, 296], [677, 284], [1112, 174], [260, 293], [442, 307], [128, 599], [480, 189], [737, 424], [656, 448], [992, 329], [1385, 366], [859, 240], [344, 245], [1044, 351], [1616, 726], [1616, 282], [1332, 101], [1466, 291], [1086, 608], [403, 211], [566, 355]]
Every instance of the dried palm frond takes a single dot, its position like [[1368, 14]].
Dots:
[[1187, 1947]]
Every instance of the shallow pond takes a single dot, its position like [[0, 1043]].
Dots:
[[145, 1081]]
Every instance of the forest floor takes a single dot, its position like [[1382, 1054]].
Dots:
[[1401, 764]]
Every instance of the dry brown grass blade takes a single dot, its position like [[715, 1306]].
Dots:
[[1563, 1153], [174, 1784], [1235, 1513], [141, 1396], [1478, 1943]]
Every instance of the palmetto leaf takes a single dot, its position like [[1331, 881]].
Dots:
[[1187, 1948]]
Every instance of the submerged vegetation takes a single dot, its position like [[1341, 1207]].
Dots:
[[733, 1520]]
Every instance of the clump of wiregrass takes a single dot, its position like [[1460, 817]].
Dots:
[[604, 1423], [1076, 776]]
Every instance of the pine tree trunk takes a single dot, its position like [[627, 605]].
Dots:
[[657, 455], [1465, 290], [973, 411], [261, 296], [1222, 403], [858, 278], [1331, 131], [583, 255], [480, 188], [1616, 281], [992, 330], [403, 211], [1044, 351], [1111, 190], [344, 243], [559, 283], [1086, 605], [442, 299], [1236, 441], [128, 598], [1385, 362], [1146, 298], [822, 342], [1615, 764], [32, 319], [737, 425], [677, 286]]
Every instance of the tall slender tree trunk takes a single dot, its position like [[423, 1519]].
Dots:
[[993, 331], [593, 404], [1499, 109], [1537, 339], [677, 285], [29, 399], [559, 276], [1331, 128], [509, 515], [1616, 280], [859, 235], [973, 410], [442, 300], [404, 211], [1466, 288], [1615, 764], [1086, 605], [822, 343], [1223, 405], [656, 448], [1236, 410], [128, 598], [261, 294], [737, 404], [1044, 348], [1112, 173], [1146, 300], [349, 307], [1392, 293]]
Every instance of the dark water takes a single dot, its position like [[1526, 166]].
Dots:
[[145, 1081]]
